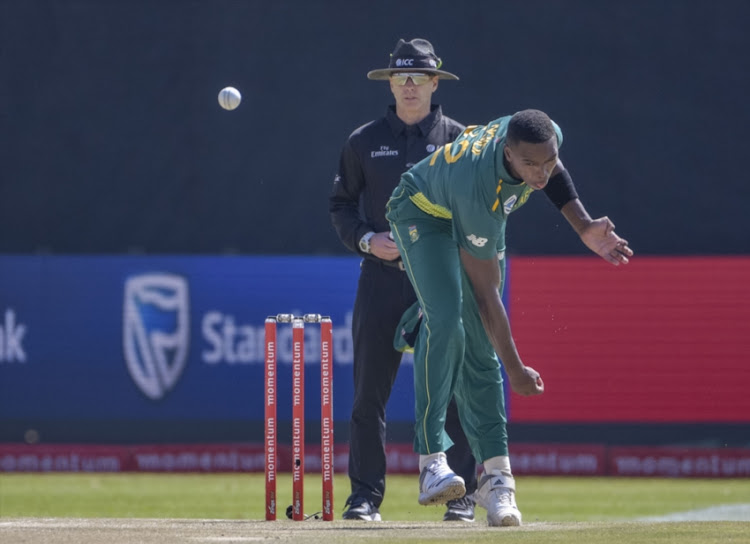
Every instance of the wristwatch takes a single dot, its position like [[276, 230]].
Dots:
[[364, 242]]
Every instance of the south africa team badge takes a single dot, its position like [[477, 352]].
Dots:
[[413, 234]]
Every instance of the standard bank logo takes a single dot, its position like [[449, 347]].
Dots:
[[155, 331], [509, 203]]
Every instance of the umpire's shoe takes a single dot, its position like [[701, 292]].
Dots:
[[460, 509], [361, 508]]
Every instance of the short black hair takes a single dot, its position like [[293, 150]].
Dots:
[[532, 126]]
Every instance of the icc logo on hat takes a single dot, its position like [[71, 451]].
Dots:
[[155, 331]]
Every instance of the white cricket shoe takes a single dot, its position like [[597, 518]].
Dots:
[[438, 483], [496, 493]]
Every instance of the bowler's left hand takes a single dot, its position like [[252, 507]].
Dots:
[[599, 236]]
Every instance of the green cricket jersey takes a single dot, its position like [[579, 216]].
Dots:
[[467, 183]]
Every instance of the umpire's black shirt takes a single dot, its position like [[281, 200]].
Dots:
[[371, 164]]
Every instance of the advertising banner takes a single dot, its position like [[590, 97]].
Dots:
[[146, 339], [662, 340], [159, 349]]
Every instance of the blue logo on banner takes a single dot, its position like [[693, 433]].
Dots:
[[155, 331]]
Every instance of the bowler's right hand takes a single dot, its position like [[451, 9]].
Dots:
[[527, 382]]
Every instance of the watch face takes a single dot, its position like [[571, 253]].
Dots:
[[364, 243]]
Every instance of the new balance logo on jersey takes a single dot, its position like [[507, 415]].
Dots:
[[477, 241]]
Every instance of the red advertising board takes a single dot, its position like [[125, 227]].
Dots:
[[679, 462], [527, 459], [559, 459], [662, 340], [64, 458]]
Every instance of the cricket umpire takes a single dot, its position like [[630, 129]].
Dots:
[[372, 161]]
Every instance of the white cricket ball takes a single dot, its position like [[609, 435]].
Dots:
[[229, 98]]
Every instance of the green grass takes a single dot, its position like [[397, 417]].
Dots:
[[47, 508], [241, 496], [595, 499]]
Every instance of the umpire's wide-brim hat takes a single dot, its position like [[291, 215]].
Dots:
[[414, 56]]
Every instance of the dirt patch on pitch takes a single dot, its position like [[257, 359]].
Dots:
[[157, 531], [189, 531]]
